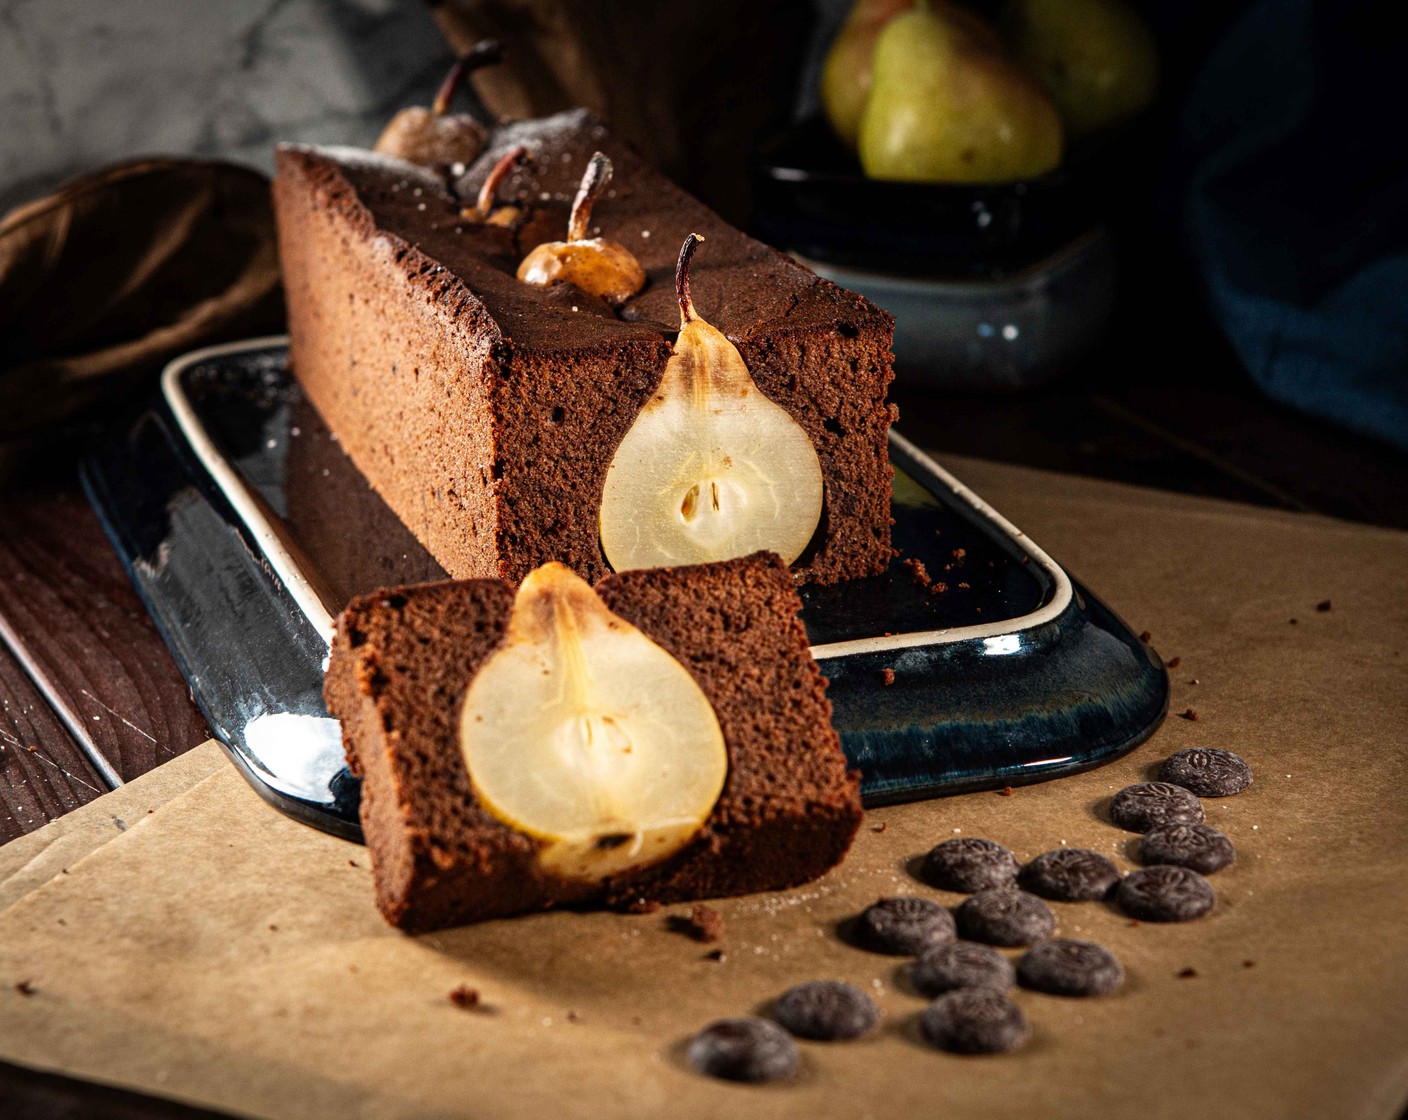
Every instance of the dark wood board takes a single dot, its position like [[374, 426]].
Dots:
[[43, 774], [69, 615]]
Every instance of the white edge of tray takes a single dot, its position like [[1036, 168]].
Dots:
[[286, 567]]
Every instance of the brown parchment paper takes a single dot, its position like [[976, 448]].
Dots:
[[31, 860], [217, 952]]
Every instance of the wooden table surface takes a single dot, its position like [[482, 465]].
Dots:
[[89, 697]]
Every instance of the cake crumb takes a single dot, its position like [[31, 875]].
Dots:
[[642, 906], [963, 587], [703, 923], [1187, 973], [464, 996], [879, 827], [26, 988], [939, 588], [1323, 606], [716, 955], [919, 573], [1173, 662], [1133, 922], [1146, 637], [888, 676], [959, 553], [353, 863], [1005, 791], [1189, 714]]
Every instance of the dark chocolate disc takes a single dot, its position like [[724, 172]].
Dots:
[[744, 1050], [1207, 771], [974, 1021], [1070, 968], [1141, 807], [1070, 875], [1197, 846], [1005, 916], [904, 926], [960, 964], [1165, 893], [968, 864], [827, 1010]]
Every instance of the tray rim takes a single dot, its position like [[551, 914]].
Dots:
[[252, 513]]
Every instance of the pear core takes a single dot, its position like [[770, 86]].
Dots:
[[584, 734], [710, 469]]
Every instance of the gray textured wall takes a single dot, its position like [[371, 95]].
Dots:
[[88, 82]]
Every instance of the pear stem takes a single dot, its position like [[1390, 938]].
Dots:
[[687, 314], [594, 181], [486, 52], [511, 159]]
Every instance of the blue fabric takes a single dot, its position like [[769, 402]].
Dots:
[[1298, 210]]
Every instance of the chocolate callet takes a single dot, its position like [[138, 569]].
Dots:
[[974, 1021], [1140, 807], [1165, 893], [960, 964], [826, 1010], [1070, 875], [904, 926], [1207, 771], [1197, 846], [969, 864], [1005, 916], [1067, 967], [741, 1049]]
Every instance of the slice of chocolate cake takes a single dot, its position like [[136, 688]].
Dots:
[[486, 411], [402, 679]]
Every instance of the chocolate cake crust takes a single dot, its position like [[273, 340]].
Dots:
[[402, 661], [487, 411]]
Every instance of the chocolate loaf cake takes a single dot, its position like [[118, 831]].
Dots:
[[403, 660], [486, 411]]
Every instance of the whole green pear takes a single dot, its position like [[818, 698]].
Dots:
[[845, 74], [1096, 58], [947, 106]]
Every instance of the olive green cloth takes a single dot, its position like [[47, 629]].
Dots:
[[120, 271], [220, 953]]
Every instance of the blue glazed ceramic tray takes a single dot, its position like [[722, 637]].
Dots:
[[245, 529]]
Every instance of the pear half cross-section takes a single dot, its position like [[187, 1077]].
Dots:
[[711, 469], [584, 734]]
